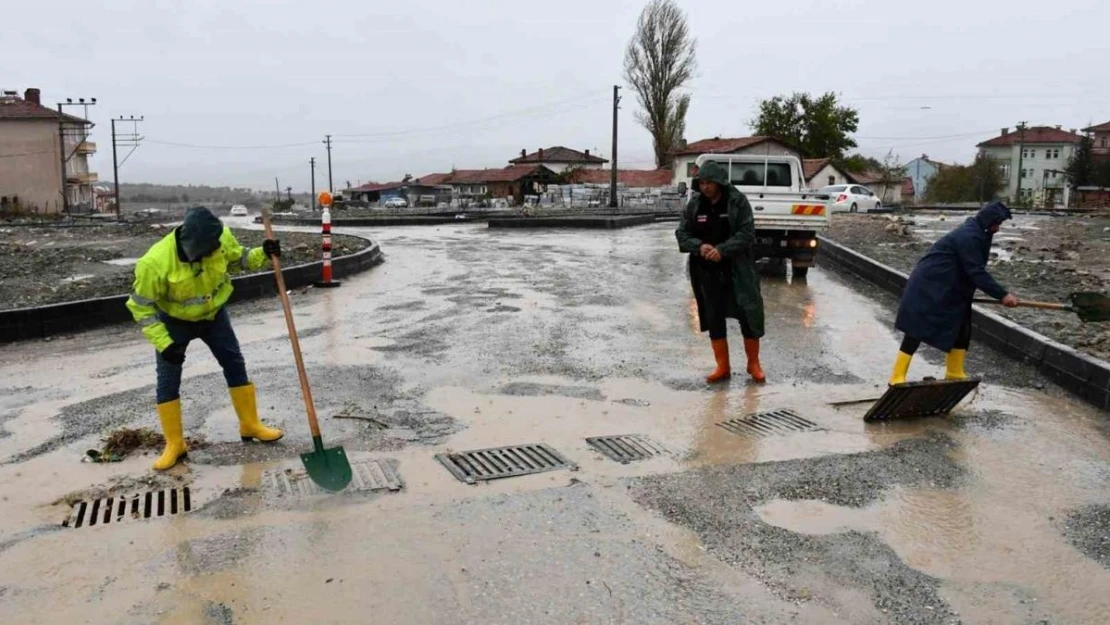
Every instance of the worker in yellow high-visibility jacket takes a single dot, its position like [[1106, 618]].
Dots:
[[180, 290]]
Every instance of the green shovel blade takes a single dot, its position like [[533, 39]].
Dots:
[[329, 468]]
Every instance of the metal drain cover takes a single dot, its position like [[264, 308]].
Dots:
[[119, 509], [366, 476], [763, 424], [499, 462], [626, 448], [928, 398]]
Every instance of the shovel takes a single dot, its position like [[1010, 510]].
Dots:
[[1091, 307], [329, 468]]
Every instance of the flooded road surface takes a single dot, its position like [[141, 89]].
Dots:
[[468, 338]]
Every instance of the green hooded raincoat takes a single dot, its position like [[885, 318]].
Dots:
[[737, 251]]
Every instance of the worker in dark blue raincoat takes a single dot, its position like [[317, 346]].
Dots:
[[936, 305]]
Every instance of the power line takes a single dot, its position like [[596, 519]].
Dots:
[[541, 108], [229, 147]]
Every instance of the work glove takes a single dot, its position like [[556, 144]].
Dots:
[[272, 248], [175, 353]]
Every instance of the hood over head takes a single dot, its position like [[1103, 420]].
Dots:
[[713, 172], [994, 213], [199, 234]]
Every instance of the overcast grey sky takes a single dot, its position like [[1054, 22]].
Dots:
[[431, 84]]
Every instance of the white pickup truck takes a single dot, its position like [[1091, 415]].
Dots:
[[787, 217]]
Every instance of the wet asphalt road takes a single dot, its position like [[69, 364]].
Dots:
[[469, 338]]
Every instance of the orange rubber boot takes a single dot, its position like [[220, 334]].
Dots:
[[751, 348], [724, 370]]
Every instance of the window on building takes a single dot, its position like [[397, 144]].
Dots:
[[1005, 171], [1102, 142], [832, 180], [691, 170], [1023, 173]]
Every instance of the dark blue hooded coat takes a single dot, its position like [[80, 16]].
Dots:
[[938, 295]]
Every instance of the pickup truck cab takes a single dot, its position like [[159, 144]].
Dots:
[[787, 215]]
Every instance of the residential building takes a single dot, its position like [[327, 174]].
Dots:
[[891, 191], [31, 157], [821, 172], [511, 183], [682, 165], [559, 159], [1101, 136], [920, 170], [1032, 161]]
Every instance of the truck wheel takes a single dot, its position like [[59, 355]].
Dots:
[[853, 209], [799, 272]]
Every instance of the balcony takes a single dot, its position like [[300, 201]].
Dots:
[[86, 147], [83, 177]]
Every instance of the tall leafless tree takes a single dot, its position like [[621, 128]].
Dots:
[[659, 60]]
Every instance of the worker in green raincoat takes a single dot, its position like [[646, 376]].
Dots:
[[717, 230], [180, 290]]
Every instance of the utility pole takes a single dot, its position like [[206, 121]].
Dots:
[[289, 194], [312, 191], [327, 142], [1021, 157], [613, 173], [131, 140], [277, 193], [62, 142]]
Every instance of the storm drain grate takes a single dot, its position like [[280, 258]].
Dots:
[[366, 476], [763, 424], [626, 448], [118, 509], [499, 462], [929, 398]]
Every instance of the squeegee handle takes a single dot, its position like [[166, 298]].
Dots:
[[1025, 304]]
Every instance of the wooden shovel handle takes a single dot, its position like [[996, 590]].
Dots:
[[1025, 304], [306, 392]]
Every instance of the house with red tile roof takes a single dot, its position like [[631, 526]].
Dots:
[[683, 158], [1101, 136], [31, 158], [822, 172], [559, 159], [511, 183], [633, 178], [1032, 160]]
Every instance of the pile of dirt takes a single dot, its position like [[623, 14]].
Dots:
[[1046, 259], [124, 441], [46, 265]]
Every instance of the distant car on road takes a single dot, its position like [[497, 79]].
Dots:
[[852, 198], [238, 211], [395, 202]]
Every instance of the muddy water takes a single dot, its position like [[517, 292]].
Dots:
[[467, 339]]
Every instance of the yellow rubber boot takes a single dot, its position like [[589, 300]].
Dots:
[[901, 368], [246, 407], [954, 364], [169, 413]]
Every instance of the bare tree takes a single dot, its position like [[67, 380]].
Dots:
[[657, 63]]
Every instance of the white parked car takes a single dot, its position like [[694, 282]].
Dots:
[[238, 211], [852, 198], [395, 202]]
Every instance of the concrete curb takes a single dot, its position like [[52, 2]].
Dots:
[[43, 321], [1084, 375], [370, 222]]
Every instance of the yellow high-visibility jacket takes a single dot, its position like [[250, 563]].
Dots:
[[182, 290]]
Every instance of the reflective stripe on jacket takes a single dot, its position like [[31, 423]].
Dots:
[[187, 291]]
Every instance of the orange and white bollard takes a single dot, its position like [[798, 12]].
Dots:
[[325, 281]]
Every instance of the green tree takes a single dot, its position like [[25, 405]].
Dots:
[[658, 62], [858, 163], [1082, 169], [817, 127], [981, 181]]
